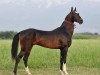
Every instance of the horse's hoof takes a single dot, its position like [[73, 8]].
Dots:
[[66, 73]]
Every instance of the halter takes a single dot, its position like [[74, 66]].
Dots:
[[70, 23]]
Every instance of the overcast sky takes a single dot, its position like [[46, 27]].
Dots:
[[18, 15]]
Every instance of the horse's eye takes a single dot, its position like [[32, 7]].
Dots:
[[77, 13]]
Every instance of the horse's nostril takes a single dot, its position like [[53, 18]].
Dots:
[[81, 20]]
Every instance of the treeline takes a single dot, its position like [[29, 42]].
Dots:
[[86, 35], [7, 34]]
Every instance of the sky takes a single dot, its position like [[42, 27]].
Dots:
[[18, 15]]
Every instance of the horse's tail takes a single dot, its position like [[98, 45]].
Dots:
[[14, 49]]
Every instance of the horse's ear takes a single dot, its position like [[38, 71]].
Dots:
[[75, 9], [71, 9]]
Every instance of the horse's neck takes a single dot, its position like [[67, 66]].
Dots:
[[68, 28]]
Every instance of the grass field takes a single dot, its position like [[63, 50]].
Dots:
[[83, 59]]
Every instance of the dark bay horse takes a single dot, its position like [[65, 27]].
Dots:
[[59, 38]]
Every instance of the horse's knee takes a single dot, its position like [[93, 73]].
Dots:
[[21, 54], [25, 59], [18, 59]]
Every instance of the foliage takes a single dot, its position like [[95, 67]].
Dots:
[[7, 34], [86, 35]]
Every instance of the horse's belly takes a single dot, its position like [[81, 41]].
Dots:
[[52, 41], [49, 44]]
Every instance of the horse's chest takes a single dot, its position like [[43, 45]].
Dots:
[[65, 41]]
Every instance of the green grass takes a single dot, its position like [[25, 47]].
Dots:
[[54, 71], [82, 53]]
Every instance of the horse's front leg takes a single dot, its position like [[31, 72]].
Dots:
[[63, 54]]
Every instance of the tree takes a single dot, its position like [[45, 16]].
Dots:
[[7, 34]]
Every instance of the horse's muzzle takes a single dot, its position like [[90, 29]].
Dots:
[[81, 21]]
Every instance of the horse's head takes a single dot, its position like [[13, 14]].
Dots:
[[73, 16]]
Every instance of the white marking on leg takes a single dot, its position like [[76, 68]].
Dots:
[[27, 70], [61, 72], [64, 69]]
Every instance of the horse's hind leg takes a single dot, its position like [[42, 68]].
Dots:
[[18, 58], [25, 58]]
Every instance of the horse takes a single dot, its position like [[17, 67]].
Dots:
[[59, 38]]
